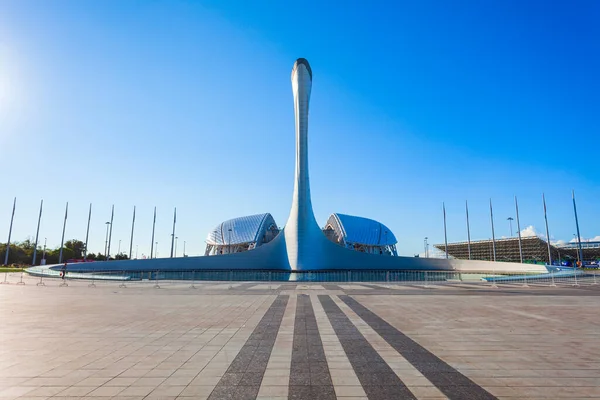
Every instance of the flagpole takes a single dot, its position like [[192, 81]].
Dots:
[[468, 229], [577, 225], [547, 234], [10, 232], [112, 214], [62, 240], [445, 234], [37, 233], [493, 233], [87, 233], [153, 226], [173, 234], [519, 229], [132, 226]]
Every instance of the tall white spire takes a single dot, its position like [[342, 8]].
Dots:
[[303, 236]]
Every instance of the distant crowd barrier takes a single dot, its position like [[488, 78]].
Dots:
[[394, 277]]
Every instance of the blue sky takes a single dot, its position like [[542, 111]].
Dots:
[[189, 104]]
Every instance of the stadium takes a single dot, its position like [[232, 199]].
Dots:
[[534, 250]]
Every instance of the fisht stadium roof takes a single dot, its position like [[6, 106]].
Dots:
[[352, 229], [241, 230]]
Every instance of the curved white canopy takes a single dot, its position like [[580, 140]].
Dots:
[[361, 230], [240, 230]]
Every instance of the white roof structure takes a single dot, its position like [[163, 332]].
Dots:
[[241, 230], [361, 230]]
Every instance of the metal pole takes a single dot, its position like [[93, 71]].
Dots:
[[131, 242], [10, 232], [577, 224], [445, 233], [176, 246], [106, 240], [153, 226], [112, 214], [156, 251], [119, 249], [229, 241], [547, 233], [519, 230], [37, 233], [173, 234], [87, 233], [44, 253], [468, 229], [510, 220], [184, 248], [63, 234], [493, 234]]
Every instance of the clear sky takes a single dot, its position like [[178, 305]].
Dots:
[[189, 104]]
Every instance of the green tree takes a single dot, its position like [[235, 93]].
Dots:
[[77, 247]]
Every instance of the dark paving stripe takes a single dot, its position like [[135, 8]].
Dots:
[[332, 287], [375, 375], [244, 286], [448, 380], [309, 374], [244, 376]]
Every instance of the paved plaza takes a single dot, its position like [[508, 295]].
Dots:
[[255, 340]]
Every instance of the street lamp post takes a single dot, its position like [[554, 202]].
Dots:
[[10, 232], [44, 253], [106, 240], [119, 249], [510, 220], [37, 234], [578, 245], [426, 245], [229, 241], [176, 237]]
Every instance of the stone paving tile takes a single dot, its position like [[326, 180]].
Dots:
[[448, 380], [309, 363], [243, 377], [515, 342], [376, 377]]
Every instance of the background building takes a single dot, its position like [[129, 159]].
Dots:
[[535, 250]]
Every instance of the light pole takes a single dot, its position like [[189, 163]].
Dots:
[[519, 230], [493, 233], [10, 232], [184, 248], [580, 254], [37, 234], [510, 220], [44, 254], [106, 240], [119, 249], [156, 250], [426, 247], [176, 237], [578, 245], [229, 241]]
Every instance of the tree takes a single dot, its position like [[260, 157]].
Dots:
[[77, 246]]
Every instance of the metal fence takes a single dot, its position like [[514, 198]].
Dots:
[[158, 278]]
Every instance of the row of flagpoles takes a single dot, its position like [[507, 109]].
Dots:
[[518, 229], [108, 233]]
